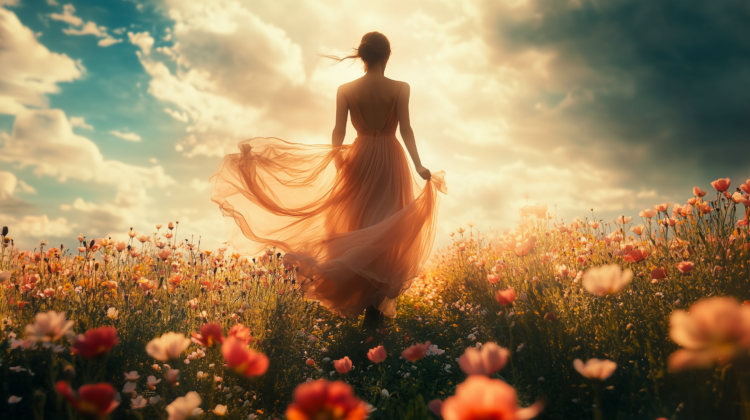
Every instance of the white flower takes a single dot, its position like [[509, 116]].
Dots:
[[132, 376], [183, 407], [154, 400], [607, 279], [49, 326], [197, 411], [447, 367], [112, 313], [17, 369], [151, 382], [137, 402], [168, 346], [129, 387], [385, 392], [202, 375], [220, 410], [595, 368], [13, 399]]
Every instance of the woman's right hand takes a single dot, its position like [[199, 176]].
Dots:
[[424, 172]]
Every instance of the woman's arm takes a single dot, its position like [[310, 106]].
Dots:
[[342, 112], [407, 133]]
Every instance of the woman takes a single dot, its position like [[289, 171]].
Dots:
[[352, 218]]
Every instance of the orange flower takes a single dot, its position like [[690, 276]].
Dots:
[[310, 362], [685, 267], [343, 365], [658, 273], [721, 184], [746, 186], [241, 333], [210, 335], [526, 246], [506, 297], [487, 361], [377, 355], [635, 255], [326, 400], [698, 192], [480, 398], [661, 207], [247, 363], [415, 352]]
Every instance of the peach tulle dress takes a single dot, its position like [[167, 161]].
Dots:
[[360, 233]]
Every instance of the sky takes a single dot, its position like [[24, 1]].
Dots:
[[115, 113]]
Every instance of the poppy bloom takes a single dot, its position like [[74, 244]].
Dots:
[[595, 368], [480, 397], [247, 363], [721, 184], [415, 352], [241, 333], [607, 279], [635, 255], [210, 335], [95, 342], [685, 267], [168, 346], [343, 365], [487, 361], [322, 399], [506, 297], [658, 273], [377, 355], [92, 401], [648, 213]]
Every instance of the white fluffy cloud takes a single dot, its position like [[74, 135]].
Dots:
[[126, 136], [77, 27], [29, 71], [80, 122], [38, 227], [143, 40]]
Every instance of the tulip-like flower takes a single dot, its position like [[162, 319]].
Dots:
[[661, 207], [635, 255], [715, 330], [638, 229], [247, 363], [377, 355], [685, 266], [210, 335], [659, 273], [168, 346], [120, 246], [624, 219], [480, 397], [322, 399], [595, 368], [415, 352], [343, 365], [506, 297], [493, 278], [49, 326], [241, 333], [183, 407], [648, 213], [721, 184], [705, 208], [95, 401], [698, 192], [607, 279], [746, 186], [492, 358], [95, 342]]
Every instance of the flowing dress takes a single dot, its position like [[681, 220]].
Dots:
[[360, 234]]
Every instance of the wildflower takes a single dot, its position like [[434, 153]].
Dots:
[[624, 220], [635, 255], [112, 313], [721, 184], [493, 278], [151, 382], [49, 326], [172, 375], [480, 397], [95, 342], [132, 376], [137, 403], [550, 316], [241, 333], [220, 410], [96, 400], [638, 229], [489, 360], [343, 365], [310, 362], [247, 363], [168, 346], [595, 368], [4, 276], [415, 352], [210, 335], [648, 213], [685, 267], [661, 207], [698, 192], [714, 330], [659, 273], [154, 400], [506, 297], [322, 399], [13, 399], [526, 246], [128, 388], [605, 280], [183, 407]]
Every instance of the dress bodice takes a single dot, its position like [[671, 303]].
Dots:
[[389, 127]]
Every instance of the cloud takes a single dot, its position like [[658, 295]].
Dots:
[[199, 185], [80, 122], [39, 227], [89, 28], [29, 71], [9, 186], [126, 136], [143, 40], [8, 2]]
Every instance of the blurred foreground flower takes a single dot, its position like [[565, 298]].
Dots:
[[92, 401], [49, 326], [168, 346], [595, 368], [377, 355], [184, 407], [247, 363], [322, 399], [415, 352], [715, 330], [506, 297], [210, 335], [607, 279], [480, 397], [95, 342], [487, 361]]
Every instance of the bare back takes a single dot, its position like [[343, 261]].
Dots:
[[374, 98]]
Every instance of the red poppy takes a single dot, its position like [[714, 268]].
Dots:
[[247, 363], [210, 335], [93, 401], [95, 342]]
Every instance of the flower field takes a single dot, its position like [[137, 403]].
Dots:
[[643, 317]]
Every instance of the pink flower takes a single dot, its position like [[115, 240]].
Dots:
[[377, 355], [737, 197], [648, 213], [685, 267], [247, 363], [661, 207], [415, 352], [635, 255], [310, 362], [506, 297], [638, 229], [607, 279], [487, 361], [526, 246], [714, 330], [241, 333], [623, 219], [49, 326], [595, 368], [721, 184], [698, 192], [326, 400], [435, 406], [480, 398], [493, 278], [168, 346], [343, 365]]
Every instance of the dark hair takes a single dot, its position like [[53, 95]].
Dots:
[[374, 48]]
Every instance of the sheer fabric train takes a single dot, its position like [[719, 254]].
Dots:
[[360, 233]]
